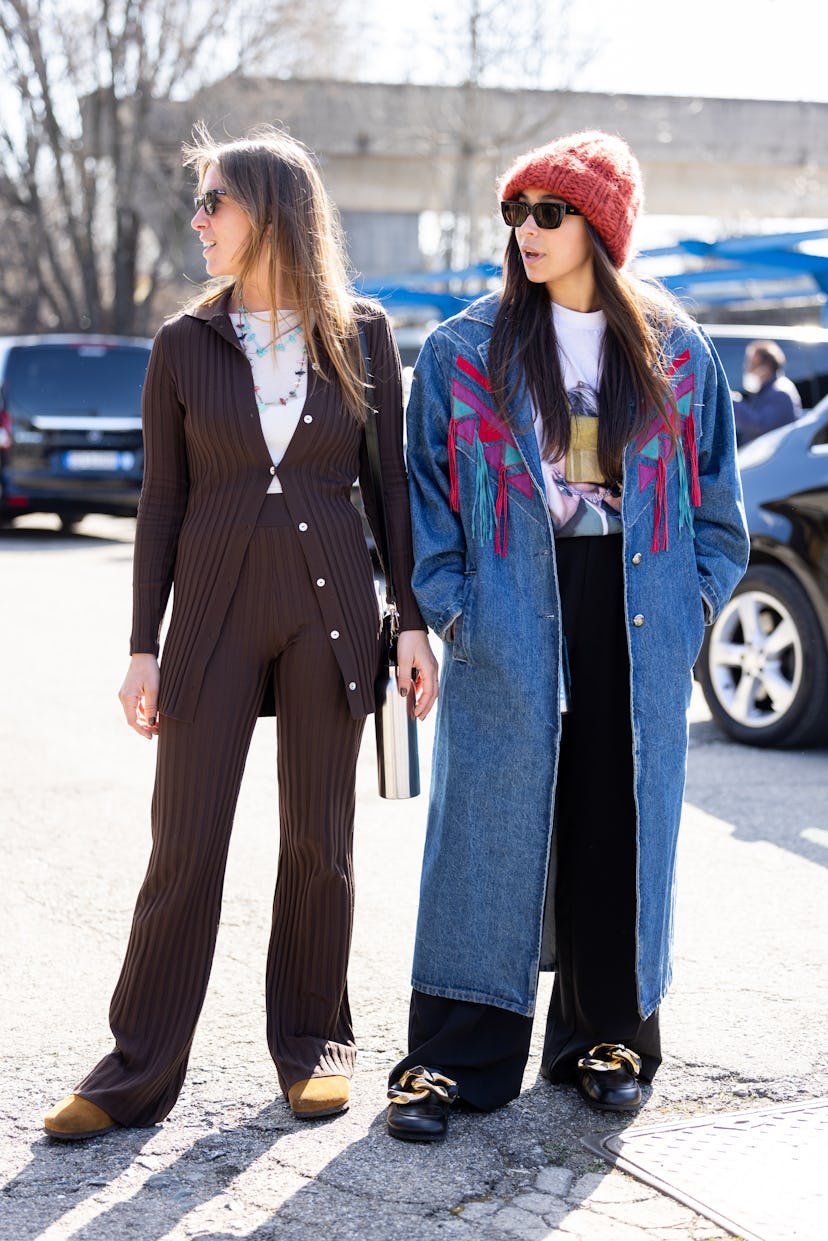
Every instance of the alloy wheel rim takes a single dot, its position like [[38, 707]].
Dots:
[[755, 659]]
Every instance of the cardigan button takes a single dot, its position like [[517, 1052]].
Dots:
[[638, 620], [303, 525], [320, 581], [637, 558], [272, 470], [334, 633], [352, 685], [308, 418]]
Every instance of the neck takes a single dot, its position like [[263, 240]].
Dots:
[[578, 293], [259, 298]]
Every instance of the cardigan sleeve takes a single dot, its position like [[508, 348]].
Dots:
[[163, 500], [385, 361]]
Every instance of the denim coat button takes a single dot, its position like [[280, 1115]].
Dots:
[[637, 558], [638, 620]]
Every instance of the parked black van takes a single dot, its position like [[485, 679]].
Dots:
[[70, 425]]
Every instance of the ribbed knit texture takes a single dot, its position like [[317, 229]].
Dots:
[[273, 628], [206, 472], [593, 171]]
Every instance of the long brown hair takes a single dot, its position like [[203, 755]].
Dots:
[[274, 180], [634, 379]]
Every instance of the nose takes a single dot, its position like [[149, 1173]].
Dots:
[[528, 224], [200, 219]]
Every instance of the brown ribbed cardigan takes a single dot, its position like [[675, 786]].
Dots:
[[206, 472]]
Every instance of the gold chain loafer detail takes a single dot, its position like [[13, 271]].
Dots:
[[606, 1078], [315, 1097], [75, 1118], [420, 1103]]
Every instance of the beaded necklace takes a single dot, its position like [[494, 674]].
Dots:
[[250, 345]]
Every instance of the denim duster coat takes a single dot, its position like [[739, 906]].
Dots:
[[485, 562]]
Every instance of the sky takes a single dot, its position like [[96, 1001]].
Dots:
[[751, 49]]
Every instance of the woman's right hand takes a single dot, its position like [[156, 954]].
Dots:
[[139, 695]]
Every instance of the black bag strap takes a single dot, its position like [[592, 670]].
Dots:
[[375, 475]]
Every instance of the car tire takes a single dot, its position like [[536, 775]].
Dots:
[[69, 522], [763, 666]]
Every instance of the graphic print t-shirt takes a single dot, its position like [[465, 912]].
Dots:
[[579, 508]]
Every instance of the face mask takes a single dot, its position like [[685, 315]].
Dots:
[[751, 381]]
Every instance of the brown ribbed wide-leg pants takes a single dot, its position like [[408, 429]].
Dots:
[[273, 629]]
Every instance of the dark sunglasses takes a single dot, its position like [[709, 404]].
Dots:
[[545, 215], [208, 200]]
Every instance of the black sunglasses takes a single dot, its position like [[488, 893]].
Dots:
[[545, 215], [208, 200]]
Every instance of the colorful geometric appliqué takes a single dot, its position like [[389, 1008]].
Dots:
[[656, 446], [494, 445]]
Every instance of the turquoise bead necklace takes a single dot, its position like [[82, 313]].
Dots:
[[250, 344]]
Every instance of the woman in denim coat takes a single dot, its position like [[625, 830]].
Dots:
[[577, 520]]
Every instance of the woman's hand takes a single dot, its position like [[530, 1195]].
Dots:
[[139, 695], [417, 670]]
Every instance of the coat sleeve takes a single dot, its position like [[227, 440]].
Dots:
[[163, 500], [388, 400], [439, 538], [721, 538]]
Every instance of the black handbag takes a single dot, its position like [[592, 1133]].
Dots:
[[398, 763]]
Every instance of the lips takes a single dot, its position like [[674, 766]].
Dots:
[[531, 256]]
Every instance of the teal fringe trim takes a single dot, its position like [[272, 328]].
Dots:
[[685, 507], [483, 512]]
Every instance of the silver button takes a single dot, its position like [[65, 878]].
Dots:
[[638, 620], [303, 525], [352, 685], [334, 633], [273, 470], [320, 581], [637, 558], [308, 418]]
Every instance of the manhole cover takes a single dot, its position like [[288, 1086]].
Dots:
[[761, 1175]]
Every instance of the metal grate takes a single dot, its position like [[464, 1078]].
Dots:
[[762, 1174]]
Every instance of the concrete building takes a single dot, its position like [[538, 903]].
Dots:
[[390, 153]]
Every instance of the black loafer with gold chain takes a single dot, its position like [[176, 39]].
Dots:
[[420, 1103], [607, 1078]]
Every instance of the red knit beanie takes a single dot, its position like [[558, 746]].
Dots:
[[595, 172]]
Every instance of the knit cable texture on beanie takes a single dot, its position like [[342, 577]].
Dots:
[[593, 171]]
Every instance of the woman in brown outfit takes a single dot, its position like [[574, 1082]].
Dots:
[[253, 413]]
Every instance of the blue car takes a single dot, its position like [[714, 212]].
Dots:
[[764, 664]]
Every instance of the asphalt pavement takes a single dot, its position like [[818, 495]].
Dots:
[[743, 1026]]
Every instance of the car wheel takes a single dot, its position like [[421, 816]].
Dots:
[[70, 522], [764, 663]]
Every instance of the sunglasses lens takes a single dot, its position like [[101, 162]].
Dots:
[[548, 215], [514, 213]]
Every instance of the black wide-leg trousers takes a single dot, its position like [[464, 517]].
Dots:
[[594, 996], [273, 629]]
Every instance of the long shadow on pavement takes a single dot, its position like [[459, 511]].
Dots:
[[764, 794], [376, 1188]]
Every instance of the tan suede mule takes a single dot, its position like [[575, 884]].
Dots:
[[74, 1119], [314, 1097]]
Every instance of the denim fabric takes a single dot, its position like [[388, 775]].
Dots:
[[481, 916]]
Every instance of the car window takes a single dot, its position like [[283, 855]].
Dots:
[[97, 379], [806, 362]]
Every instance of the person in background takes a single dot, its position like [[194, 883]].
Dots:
[[577, 519], [254, 411], [769, 399]]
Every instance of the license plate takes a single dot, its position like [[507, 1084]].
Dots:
[[111, 462]]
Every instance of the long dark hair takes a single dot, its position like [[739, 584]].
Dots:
[[634, 380]]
